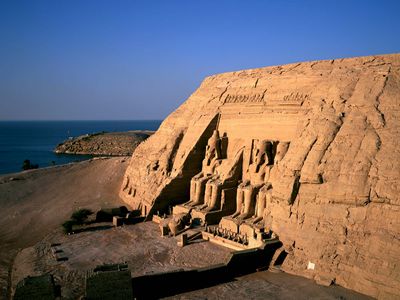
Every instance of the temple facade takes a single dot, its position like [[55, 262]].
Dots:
[[306, 152]]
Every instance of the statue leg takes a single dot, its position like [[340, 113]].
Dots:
[[248, 203], [192, 191], [260, 206], [266, 213], [214, 197], [197, 191], [207, 196], [239, 202]]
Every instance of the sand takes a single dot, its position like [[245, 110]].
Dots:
[[273, 286], [139, 245], [35, 203]]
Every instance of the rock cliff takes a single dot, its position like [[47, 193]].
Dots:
[[335, 201]]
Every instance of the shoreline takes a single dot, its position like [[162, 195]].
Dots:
[[15, 176], [36, 140]]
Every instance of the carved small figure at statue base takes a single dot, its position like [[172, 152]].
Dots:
[[179, 222]]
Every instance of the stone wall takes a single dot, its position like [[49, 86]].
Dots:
[[335, 200]]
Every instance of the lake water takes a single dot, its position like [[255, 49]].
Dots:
[[36, 140]]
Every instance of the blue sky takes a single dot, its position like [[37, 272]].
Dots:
[[110, 60]]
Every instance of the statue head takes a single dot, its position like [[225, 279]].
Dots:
[[281, 150], [259, 156], [212, 149], [214, 138]]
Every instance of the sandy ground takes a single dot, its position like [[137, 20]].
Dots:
[[146, 252], [35, 203], [140, 245], [269, 285]]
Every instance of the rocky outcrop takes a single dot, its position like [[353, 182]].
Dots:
[[102, 143], [335, 201]]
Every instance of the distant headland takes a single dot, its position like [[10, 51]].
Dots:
[[104, 143]]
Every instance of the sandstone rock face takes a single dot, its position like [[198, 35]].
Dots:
[[335, 201]]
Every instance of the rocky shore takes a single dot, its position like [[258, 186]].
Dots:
[[104, 143]]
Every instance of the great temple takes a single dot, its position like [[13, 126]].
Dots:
[[306, 153]]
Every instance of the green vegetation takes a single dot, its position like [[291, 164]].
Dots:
[[28, 166], [81, 215], [77, 218], [67, 226]]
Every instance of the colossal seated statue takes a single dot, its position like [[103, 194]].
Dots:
[[227, 177], [256, 175], [264, 196], [255, 191], [211, 161]]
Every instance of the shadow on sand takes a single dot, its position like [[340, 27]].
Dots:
[[240, 263], [92, 228]]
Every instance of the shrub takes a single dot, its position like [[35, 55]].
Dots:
[[77, 218], [106, 214], [28, 166], [67, 226], [81, 215]]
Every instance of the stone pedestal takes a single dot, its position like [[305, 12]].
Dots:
[[181, 208], [183, 240], [118, 221], [164, 226]]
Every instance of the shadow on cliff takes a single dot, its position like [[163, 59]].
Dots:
[[178, 190], [155, 286]]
